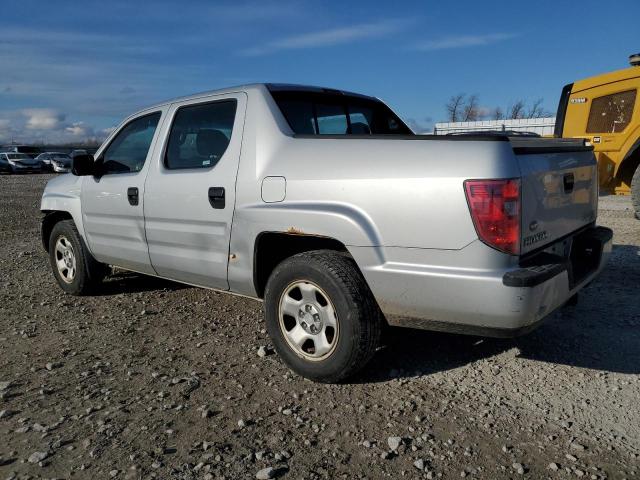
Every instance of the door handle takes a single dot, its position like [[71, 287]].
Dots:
[[132, 194], [216, 197], [568, 182]]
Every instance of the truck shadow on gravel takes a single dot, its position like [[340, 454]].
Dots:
[[601, 333]]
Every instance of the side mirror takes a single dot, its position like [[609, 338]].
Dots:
[[82, 165]]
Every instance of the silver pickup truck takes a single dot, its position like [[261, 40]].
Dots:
[[324, 204]]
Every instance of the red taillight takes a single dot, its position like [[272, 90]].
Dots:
[[495, 209]]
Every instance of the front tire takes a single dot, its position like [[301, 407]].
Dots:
[[321, 315], [74, 268], [635, 192]]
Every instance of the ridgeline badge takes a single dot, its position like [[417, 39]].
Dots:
[[535, 238]]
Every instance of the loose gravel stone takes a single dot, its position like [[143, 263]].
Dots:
[[37, 457], [266, 473], [394, 443]]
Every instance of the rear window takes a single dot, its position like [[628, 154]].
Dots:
[[611, 113], [319, 113]]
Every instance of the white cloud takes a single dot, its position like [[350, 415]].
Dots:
[[105, 132], [42, 118], [327, 38], [45, 126], [79, 129], [463, 41]]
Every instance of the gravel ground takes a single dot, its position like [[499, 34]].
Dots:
[[152, 379]]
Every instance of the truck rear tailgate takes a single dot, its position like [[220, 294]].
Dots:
[[559, 188]]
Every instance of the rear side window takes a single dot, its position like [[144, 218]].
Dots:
[[128, 150], [200, 135], [320, 113], [611, 113], [332, 119]]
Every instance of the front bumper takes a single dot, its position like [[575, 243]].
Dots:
[[426, 290]]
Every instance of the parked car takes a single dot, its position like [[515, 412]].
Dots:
[[327, 207], [26, 149], [55, 161], [19, 163]]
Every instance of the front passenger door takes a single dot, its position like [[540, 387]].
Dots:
[[112, 203]]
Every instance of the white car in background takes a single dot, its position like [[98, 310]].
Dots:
[[55, 161]]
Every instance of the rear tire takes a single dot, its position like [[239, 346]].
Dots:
[[635, 192], [321, 315], [74, 268]]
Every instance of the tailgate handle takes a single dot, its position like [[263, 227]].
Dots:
[[568, 182]]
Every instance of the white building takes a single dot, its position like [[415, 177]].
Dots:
[[541, 126]]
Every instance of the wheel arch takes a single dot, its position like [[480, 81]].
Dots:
[[630, 163], [49, 220], [271, 248]]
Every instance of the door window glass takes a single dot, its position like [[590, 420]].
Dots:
[[200, 135], [128, 150]]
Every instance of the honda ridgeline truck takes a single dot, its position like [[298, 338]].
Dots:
[[325, 205]]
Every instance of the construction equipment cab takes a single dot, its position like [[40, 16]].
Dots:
[[603, 109]]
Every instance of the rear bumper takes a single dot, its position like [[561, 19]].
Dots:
[[501, 302], [585, 258]]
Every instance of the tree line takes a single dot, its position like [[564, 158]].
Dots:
[[466, 108]]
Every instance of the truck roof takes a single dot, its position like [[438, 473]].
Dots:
[[262, 87], [604, 78]]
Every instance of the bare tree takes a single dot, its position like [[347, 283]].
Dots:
[[471, 112], [497, 114], [455, 107], [516, 110], [537, 110]]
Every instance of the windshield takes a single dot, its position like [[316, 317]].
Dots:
[[17, 156], [60, 156], [318, 112]]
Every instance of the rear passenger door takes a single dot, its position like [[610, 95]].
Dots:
[[190, 191]]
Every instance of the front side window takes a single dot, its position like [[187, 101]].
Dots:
[[128, 150], [200, 135], [611, 113]]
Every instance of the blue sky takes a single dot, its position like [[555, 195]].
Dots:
[[72, 70]]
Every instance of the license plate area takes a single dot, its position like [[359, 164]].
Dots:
[[586, 253]]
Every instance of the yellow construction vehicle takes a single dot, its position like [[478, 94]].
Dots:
[[603, 109]]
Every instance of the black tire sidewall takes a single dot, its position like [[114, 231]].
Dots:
[[80, 281], [348, 312], [635, 192]]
